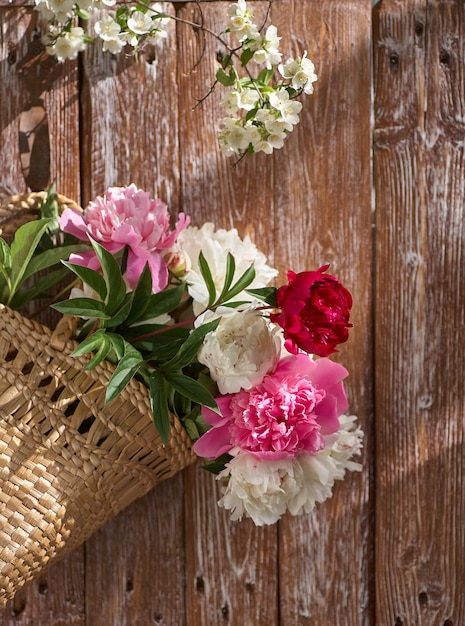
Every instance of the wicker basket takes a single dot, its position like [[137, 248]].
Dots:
[[68, 462]]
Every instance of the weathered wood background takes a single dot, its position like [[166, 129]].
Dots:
[[371, 181]]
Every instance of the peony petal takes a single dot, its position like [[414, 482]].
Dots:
[[328, 415], [327, 373], [214, 443], [127, 236], [73, 223], [157, 266], [86, 259]]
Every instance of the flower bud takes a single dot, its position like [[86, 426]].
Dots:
[[178, 264]]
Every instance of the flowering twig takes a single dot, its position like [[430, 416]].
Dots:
[[260, 114]]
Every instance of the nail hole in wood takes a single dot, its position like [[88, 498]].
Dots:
[[444, 57], [11, 58], [157, 617], [225, 611], [19, 604], [419, 28], [129, 585], [448, 622], [394, 60], [423, 598], [250, 586], [399, 622], [200, 584], [42, 587]]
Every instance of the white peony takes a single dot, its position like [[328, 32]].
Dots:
[[215, 245], [241, 351], [264, 490]]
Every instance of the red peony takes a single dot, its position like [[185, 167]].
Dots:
[[315, 310]]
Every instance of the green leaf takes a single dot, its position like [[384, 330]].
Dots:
[[51, 257], [265, 76], [81, 13], [225, 79], [191, 388], [243, 282], [5, 255], [188, 351], [159, 402], [141, 296], [118, 344], [207, 276], [39, 289], [229, 275], [90, 277], [105, 347], [23, 247], [116, 287], [250, 115], [216, 466], [89, 344], [49, 209], [125, 370], [246, 56], [82, 307], [265, 294], [121, 314], [163, 302]]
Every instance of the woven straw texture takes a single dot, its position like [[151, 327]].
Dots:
[[68, 462]]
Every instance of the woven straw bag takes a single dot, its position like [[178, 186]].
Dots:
[[68, 462]]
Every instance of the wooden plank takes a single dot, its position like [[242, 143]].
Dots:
[[56, 598], [35, 88], [323, 195], [231, 568], [29, 81], [130, 120], [419, 103], [135, 564]]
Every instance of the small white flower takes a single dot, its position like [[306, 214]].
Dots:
[[114, 46], [61, 7], [156, 37], [254, 135], [267, 48], [234, 135], [247, 99], [241, 21], [69, 44], [230, 101], [263, 146], [289, 109], [301, 73], [46, 13], [140, 23], [107, 28]]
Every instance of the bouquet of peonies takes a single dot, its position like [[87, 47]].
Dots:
[[261, 111], [191, 313]]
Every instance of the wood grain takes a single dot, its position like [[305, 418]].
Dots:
[[419, 57], [31, 78], [231, 568], [130, 120], [322, 191]]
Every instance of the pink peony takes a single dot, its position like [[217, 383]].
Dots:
[[285, 416], [126, 217]]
